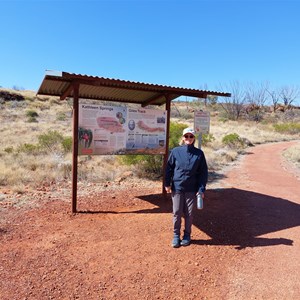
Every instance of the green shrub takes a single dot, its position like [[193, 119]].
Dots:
[[61, 116], [223, 119], [51, 141], [289, 128], [129, 160], [31, 113], [28, 148], [32, 116], [207, 138], [9, 149], [233, 140], [67, 144], [149, 166], [32, 120]]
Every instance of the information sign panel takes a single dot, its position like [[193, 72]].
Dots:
[[120, 130], [201, 121]]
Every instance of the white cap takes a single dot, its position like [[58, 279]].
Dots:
[[188, 130]]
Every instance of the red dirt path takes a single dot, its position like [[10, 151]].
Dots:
[[246, 241]]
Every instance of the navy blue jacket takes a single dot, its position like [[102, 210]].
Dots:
[[186, 170]]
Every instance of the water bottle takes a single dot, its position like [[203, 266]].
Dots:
[[199, 201]]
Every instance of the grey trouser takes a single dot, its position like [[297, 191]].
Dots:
[[183, 204]]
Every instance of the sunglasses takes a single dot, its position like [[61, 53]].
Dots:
[[188, 136]]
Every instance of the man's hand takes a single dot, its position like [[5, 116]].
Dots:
[[202, 195], [168, 189]]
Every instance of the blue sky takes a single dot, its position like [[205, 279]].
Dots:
[[192, 44]]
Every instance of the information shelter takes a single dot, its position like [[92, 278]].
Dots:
[[77, 86]]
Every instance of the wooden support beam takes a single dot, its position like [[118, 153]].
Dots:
[[151, 100], [166, 155], [67, 92], [75, 146]]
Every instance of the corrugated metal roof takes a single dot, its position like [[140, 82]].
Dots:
[[100, 88]]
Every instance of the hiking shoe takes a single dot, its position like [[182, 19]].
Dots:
[[185, 241], [176, 242]]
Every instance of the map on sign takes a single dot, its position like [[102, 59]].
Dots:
[[201, 121]]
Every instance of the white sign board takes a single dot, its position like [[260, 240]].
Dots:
[[201, 121], [120, 130], [146, 131]]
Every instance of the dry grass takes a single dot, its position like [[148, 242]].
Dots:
[[217, 155], [20, 170], [293, 155], [255, 133]]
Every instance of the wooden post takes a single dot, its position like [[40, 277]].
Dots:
[[75, 146], [166, 155], [199, 140]]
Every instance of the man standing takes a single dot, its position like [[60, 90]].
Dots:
[[186, 177]]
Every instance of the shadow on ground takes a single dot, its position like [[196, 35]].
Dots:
[[237, 217]]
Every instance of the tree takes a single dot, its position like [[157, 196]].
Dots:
[[256, 96], [288, 94], [233, 105], [212, 100], [204, 88], [274, 98]]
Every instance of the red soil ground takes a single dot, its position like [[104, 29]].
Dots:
[[246, 240]]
